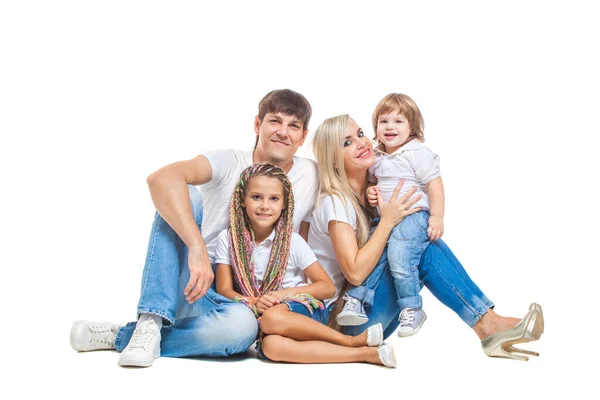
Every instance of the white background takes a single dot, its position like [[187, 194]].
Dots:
[[94, 96]]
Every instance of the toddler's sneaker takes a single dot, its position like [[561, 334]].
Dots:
[[411, 320], [353, 313], [143, 347], [91, 335]]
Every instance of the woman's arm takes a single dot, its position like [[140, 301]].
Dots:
[[322, 286], [357, 264]]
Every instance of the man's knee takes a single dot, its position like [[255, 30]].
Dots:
[[242, 325]]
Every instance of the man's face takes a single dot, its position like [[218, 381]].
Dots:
[[279, 136]]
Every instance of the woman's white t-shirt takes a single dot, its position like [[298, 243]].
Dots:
[[330, 208]]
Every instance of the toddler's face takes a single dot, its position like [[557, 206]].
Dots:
[[393, 130]]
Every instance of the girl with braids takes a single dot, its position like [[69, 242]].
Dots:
[[262, 263]]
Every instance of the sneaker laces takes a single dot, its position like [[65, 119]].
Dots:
[[352, 304], [407, 316], [103, 334], [143, 335]]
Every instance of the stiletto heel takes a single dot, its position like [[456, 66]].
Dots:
[[500, 344], [513, 349]]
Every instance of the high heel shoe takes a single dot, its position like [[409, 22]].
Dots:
[[530, 328]]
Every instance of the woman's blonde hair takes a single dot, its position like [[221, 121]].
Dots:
[[328, 150]]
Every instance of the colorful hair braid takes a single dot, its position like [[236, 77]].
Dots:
[[241, 237]]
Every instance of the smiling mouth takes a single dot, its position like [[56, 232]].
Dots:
[[364, 154], [263, 215], [390, 135], [279, 142]]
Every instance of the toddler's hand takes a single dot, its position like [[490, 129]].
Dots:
[[436, 227], [372, 195]]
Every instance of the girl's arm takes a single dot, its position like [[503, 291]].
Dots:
[[322, 286], [435, 191], [357, 264], [224, 284]]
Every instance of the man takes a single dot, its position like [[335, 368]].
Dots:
[[198, 321]]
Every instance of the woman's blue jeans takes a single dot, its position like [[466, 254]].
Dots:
[[212, 326], [439, 271]]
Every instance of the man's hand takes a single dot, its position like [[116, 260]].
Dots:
[[267, 301], [201, 274], [372, 195], [436, 227]]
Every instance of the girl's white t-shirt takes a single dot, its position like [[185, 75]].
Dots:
[[301, 256], [330, 208]]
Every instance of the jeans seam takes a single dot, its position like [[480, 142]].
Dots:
[[151, 258]]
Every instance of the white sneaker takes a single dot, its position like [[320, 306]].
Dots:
[[375, 335], [411, 320], [91, 335], [353, 313], [143, 347], [386, 355]]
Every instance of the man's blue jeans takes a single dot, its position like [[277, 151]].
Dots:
[[439, 271], [212, 326]]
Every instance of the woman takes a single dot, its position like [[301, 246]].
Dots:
[[339, 236]]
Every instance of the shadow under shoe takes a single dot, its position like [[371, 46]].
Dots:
[[501, 344]]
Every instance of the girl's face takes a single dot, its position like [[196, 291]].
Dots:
[[358, 149], [393, 130], [263, 201]]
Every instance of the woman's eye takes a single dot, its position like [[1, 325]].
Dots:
[[361, 134], [347, 143]]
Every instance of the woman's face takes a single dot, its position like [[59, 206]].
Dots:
[[358, 150]]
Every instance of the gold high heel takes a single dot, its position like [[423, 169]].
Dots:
[[530, 328]]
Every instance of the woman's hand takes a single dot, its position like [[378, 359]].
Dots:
[[394, 211]]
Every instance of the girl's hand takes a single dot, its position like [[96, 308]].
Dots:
[[265, 302], [394, 211], [372, 195], [436, 227]]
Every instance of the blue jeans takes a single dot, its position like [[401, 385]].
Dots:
[[406, 245], [440, 271], [212, 326]]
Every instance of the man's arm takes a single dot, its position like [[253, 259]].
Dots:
[[170, 195]]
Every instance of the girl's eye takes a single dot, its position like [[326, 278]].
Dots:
[[255, 197], [275, 198]]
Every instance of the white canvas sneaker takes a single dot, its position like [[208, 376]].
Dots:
[[353, 313], [375, 335], [386, 355], [93, 335], [143, 347]]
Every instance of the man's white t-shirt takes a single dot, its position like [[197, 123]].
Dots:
[[330, 208], [227, 165], [300, 258]]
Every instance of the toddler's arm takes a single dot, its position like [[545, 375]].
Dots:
[[435, 190]]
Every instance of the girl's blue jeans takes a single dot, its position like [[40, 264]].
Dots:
[[440, 271], [212, 326]]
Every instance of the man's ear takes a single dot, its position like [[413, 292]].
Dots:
[[304, 135], [256, 125]]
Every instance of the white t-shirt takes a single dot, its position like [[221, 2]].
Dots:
[[414, 163], [227, 165], [330, 208], [301, 256]]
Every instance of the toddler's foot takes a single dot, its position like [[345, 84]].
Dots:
[[411, 320], [353, 313]]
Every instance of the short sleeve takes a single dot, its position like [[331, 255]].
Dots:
[[333, 208], [222, 253], [223, 164], [300, 253], [426, 165]]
